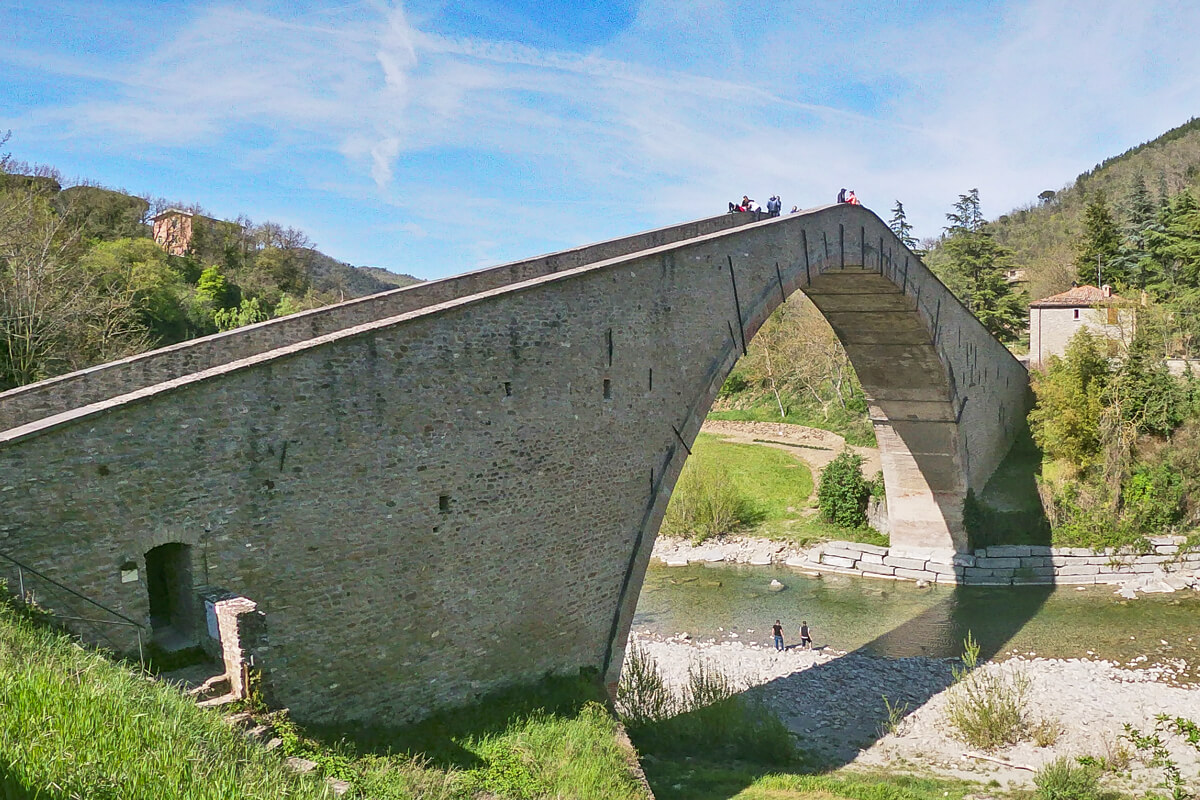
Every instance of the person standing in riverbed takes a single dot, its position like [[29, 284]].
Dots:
[[777, 631], [805, 636]]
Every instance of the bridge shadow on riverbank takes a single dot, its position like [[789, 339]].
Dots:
[[840, 707]]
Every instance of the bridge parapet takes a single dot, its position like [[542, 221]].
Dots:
[[96, 384]]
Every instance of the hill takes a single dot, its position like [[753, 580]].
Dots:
[[82, 280], [1043, 234]]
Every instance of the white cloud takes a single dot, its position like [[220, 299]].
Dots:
[[695, 103]]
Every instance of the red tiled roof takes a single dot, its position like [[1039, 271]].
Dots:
[[1085, 296]]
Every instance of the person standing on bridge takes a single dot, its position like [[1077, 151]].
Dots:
[[842, 196], [777, 632], [852, 198], [774, 206]]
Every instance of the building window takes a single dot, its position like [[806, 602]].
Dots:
[[1075, 313]]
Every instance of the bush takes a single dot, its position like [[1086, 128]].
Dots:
[[707, 717], [706, 503], [1064, 779], [987, 708], [843, 492]]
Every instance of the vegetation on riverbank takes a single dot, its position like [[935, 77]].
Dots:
[[1121, 443], [751, 489]]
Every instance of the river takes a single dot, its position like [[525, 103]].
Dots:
[[897, 620]]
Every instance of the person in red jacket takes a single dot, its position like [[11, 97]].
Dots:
[[852, 198]]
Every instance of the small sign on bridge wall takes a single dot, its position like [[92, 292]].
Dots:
[[210, 614]]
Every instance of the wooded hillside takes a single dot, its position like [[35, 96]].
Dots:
[[82, 281]]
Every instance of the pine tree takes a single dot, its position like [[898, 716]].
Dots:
[[973, 266], [1099, 247], [967, 215], [1173, 243], [902, 228], [1133, 261]]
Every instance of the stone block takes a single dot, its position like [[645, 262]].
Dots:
[[916, 574], [870, 558], [1040, 550], [944, 569], [986, 580], [860, 547], [905, 563], [1032, 580], [1035, 561], [838, 561], [963, 560], [1166, 549], [1074, 580], [997, 563], [1062, 561], [1079, 569], [876, 569], [1071, 551], [1008, 551]]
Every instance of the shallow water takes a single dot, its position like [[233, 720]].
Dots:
[[897, 620]]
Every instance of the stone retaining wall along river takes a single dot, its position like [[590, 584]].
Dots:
[[1165, 568]]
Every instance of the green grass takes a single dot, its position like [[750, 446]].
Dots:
[[775, 481], [74, 724], [698, 779], [771, 479]]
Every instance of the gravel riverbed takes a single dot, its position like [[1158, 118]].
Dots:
[[834, 702]]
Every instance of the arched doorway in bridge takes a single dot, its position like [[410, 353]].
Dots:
[[169, 586]]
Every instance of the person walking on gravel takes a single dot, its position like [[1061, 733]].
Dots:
[[777, 630], [805, 636]]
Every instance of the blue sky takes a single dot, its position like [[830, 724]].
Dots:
[[433, 137]]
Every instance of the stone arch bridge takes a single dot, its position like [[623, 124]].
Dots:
[[455, 486]]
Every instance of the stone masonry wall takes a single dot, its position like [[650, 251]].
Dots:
[[466, 496], [1005, 565], [28, 403]]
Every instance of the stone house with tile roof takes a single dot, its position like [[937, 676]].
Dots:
[[1054, 320]]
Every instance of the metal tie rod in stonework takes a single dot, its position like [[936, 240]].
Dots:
[[126, 621]]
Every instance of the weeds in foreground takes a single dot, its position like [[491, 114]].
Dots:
[[1064, 779], [1155, 747], [1045, 731], [987, 707], [707, 718], [896, 714]]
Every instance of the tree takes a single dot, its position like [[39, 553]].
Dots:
[[1066, 417], [1173, 244], [967, 216], [54, 317], [973, 264], [1143, 394], [1099, 246], [901, 227], [1046, 196], [141, 268]]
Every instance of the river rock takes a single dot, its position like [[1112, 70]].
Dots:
[[776, 586]]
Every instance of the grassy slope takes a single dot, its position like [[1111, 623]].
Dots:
[[71, 719], [780, 488], [74, 724]]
